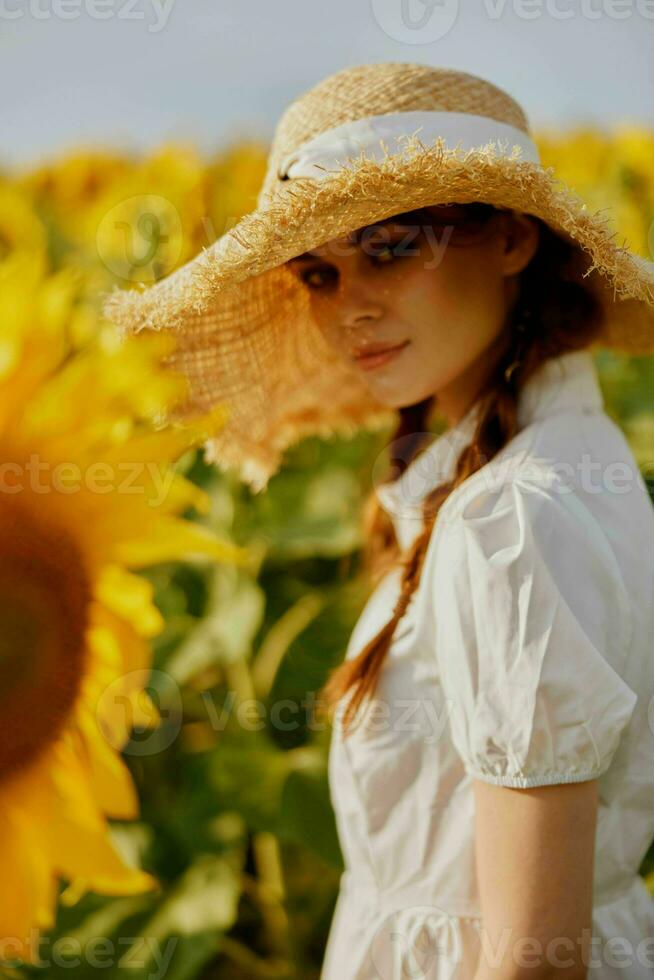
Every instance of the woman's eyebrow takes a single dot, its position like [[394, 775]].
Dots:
[[353, 238], [305, 257]]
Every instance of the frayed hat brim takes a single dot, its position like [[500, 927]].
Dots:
[[244, 333]]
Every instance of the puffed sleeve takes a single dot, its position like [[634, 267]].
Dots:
[[531, 624]]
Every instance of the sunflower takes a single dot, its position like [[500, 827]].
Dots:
[[88, 496], [20, 227]]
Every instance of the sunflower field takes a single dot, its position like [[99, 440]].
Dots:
[[165, 807]]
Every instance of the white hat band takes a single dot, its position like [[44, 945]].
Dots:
[[324, 153]]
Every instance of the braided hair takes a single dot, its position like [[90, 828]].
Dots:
[[553, 314]]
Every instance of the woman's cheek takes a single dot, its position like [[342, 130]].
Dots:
[[324, 315]]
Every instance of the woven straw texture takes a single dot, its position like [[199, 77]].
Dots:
[[243, 329]]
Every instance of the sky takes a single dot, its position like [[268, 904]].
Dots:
[[132, 74]]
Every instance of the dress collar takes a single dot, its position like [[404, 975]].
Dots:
[[568, 382]]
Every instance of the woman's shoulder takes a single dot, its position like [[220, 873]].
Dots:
[[573, 462], [525, 466], [532, 624], [525, 520]]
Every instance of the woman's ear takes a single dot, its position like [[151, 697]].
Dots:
[[520, 242]]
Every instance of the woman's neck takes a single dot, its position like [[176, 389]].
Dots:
[[455, 399]]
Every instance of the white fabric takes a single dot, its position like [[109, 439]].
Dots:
[[324, 153], [525, 658]]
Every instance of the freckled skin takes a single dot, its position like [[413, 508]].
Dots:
[[447, 293]]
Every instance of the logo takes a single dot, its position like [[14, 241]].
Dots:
[[416, 21]]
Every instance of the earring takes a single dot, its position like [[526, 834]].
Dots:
[[511, 368]]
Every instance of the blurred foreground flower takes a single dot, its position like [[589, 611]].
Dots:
[[87, 493]]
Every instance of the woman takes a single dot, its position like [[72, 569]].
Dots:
[[494, 800]]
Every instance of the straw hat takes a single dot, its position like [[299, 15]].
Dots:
[[363, 144]]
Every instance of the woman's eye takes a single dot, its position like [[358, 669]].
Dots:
[[315, 278], [382, 254], [388, 252]]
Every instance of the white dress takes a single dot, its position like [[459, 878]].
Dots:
[[525, 658]]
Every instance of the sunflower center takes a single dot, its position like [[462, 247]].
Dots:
[[44, 601]]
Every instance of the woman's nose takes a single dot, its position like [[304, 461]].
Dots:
[[360, 307]]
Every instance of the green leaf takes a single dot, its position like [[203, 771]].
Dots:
[[307, 816], [248, 774], [235, 610]]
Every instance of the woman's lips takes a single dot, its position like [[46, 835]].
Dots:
[[370, 361]]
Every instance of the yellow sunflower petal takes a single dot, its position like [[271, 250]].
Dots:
[[145, 712], [172, 537], [29, 905], [83, 850], [119, 641], [181, 494], [25, 900], [131, 597], [110, 779], [168, 444]]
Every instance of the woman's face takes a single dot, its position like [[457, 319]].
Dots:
[[437, 290]]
